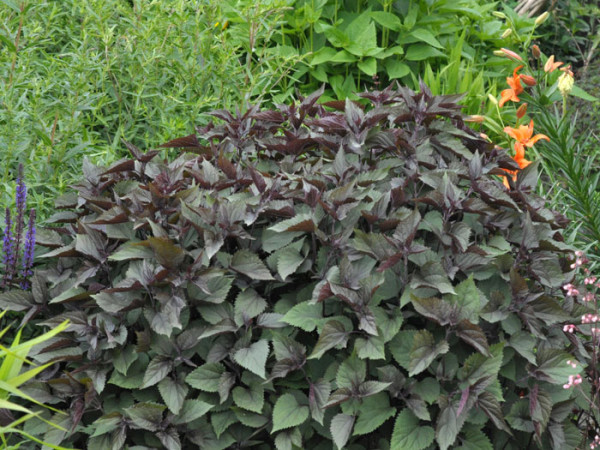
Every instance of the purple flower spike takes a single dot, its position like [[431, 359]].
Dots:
[[21, 198], [21, 194], [28, 250], [7, 249]]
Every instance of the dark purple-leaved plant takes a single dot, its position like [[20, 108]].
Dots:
[[312, 276]]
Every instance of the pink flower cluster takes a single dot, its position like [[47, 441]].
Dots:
[[579, 260], [589, 318], [571, 290], [573, 364], [596, 443], [574, 380], [569, 328]]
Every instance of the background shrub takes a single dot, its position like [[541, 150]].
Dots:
[[306, 275]]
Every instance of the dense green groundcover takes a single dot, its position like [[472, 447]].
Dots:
[[349, 272]]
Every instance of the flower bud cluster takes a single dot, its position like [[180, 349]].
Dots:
[[574, 380], [595, 443]]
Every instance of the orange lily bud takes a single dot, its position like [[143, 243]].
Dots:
[[484, 136], [522, 110], [475, 118], [511, 54], [535, 51], [528, 80], [567, 69]]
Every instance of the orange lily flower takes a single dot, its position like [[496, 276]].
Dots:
[[521, 161], [551, 66], [524, 137], [515, 89]]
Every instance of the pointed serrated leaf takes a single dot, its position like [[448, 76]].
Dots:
[[190, 411], [157, 370], [305, 315], [424, 350], [318, 394], [341, 429], [173, 393], [254, 357], [408, 435], [252, 398], [333, 334], [147, 416], [288, 260], [288, 413], [474, 336], [248, 305], [206, 377], [249, 264], [374, 411]]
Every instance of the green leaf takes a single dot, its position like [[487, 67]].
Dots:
[[401, 346], [206, 377], [576, 91], [396, 68], [424, 350], [248, 305], [374, 411], [318, 395], [368, 66], [408, 435], [190, 411], [254, 358], [372, 347], [341, 429], [131, 251], [552, 366], [427, 36], [333, 334], [351, 373], [288, 413], [466, 301], [448, 426], [286, 440], [306, 315], [249, 264], [113, 302], [419, 52], [158, 369], [323, 55], [252, 398], [147, 416], [221, 421], [250, 419], [173, 394], [475, 440], [478, 366], [428, 389], [387, 20], [288, 260]]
